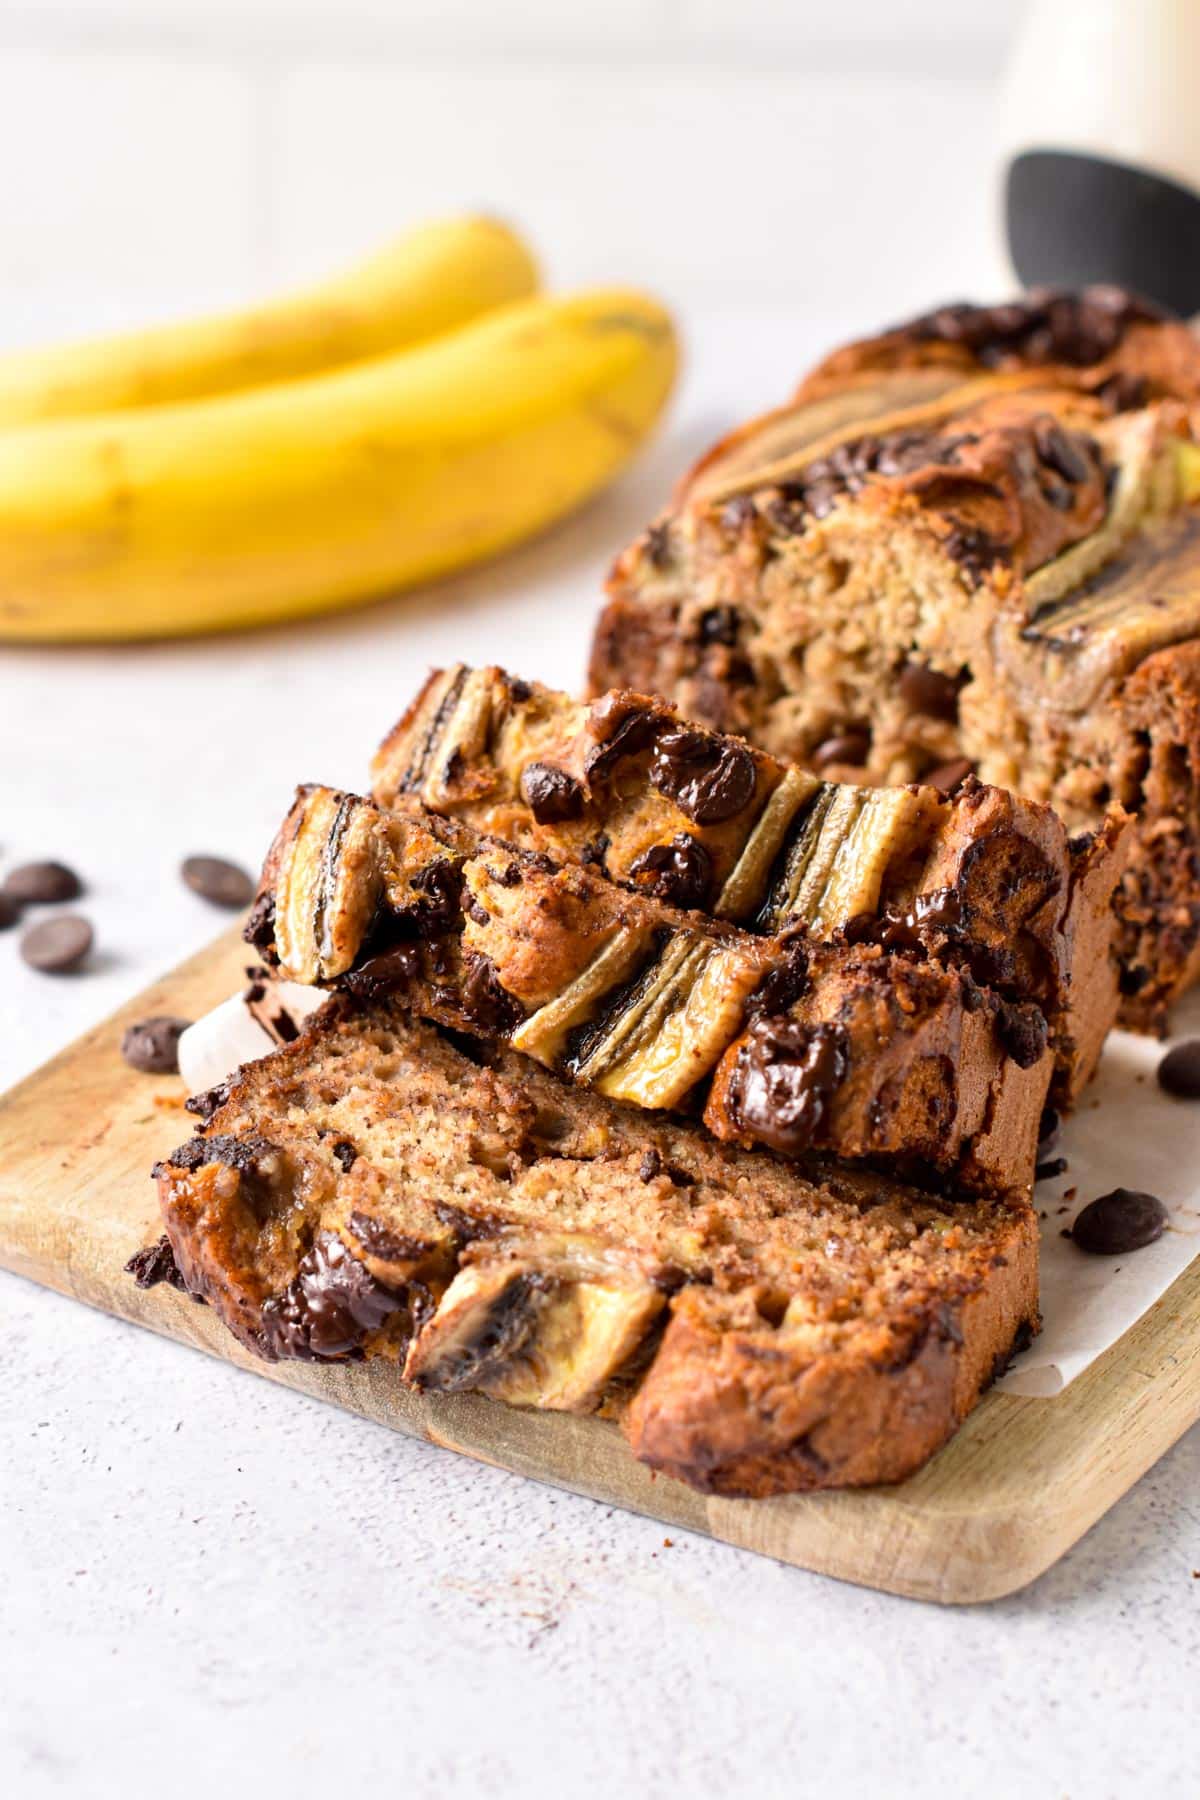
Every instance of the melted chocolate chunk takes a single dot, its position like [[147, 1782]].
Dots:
[[1023, 1032], [1119, 1222], [709, 778], [779, 991], [387, 1245], [619, 733], [386, 973], [783, 1079], [935, 915], [679, 872], [1179, 1070], [329, 1309], [439, 909], [206, 1104], [483, 998], [550, 794], [156, 1263], [242, 1154]]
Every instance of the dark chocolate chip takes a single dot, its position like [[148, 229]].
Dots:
[[155, 1263], [1050, 1171], [948, 775], [330, 1307], [153, 1045], [345, 1153], [618, 734], [57, 946], [783, 1079], [385, 973], [718, 625], [928, 691], [260, 926], [484, 999], [220, 882], [679, 872], [1023, 1031], [42, 884], [1179, 1070], [10, 911], [1119, 1222], [851, 748], [650, 1165], [709, 778], [550, 794]]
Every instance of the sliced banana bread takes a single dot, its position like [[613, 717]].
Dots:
[[847, 1049], [381, 1188], [1003, 577], [977, 879]]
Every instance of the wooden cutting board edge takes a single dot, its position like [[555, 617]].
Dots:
[[1022, 1481]]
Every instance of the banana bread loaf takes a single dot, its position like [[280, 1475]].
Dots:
[[847, 1049], [999, 572], [382, 1188], [978, 879]]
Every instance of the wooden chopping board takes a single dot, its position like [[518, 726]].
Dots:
[[1021, 1482]]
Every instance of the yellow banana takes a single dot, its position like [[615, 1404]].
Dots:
[[291, 499], [434, 280]]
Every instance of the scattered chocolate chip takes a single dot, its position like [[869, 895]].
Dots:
[[57, 946], [928, 691], [155, 1263], [153, 1045], [550, 794], [345, 1153], [851, 748], [1050, 1171], [709, 778], [1179, 1070], [650, 1165], [679, 872], [220, 882], [10, 911], [42, 884], [947, 776], [1119, 1222]]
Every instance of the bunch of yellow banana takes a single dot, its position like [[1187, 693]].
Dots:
[[427, 410]]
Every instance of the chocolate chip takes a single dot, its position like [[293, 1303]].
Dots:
[[947, 776], [57, 945], [345, 1154], [333, 1303], [485, 1000], [709, 778], [928, 691], [550, 794], [10, 911], [1023, 1032], [718, 625], [220, 882], [260, 926], [384, 974], [650, 1165], [153, 1045], [679, 872], [42, 884], [620, 730], [1050, 1171], [1179, 1070], [850, 748], [156, 1263], [783, 1079], [1119, 1222], [1048, 1130]]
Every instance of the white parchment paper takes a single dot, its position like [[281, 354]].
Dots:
[[1126, 1133]]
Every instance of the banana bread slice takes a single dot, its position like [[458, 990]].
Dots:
[[978, 879], [382, 1188], [848, 1049], [973, 583]]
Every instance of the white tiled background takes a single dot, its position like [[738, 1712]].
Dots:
[[165, 153]]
